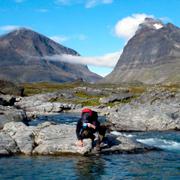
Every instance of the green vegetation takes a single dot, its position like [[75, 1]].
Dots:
[[80, 94], [45, 87], [137, 90], [172, 87], [80, 97]]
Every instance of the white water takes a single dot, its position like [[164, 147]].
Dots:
[[161, 143], [156, 142], [116, 133]]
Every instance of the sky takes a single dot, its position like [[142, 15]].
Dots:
[[97, 29]]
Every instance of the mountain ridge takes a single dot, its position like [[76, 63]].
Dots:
[[151, 56], [22, 59]]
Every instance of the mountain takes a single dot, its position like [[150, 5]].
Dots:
[[151, 56], [23, 58]]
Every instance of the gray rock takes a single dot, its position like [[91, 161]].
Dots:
[[8, 114], [7, 145], [159, 112], [40, 104], [116, 97], [58, 139], [7, 100], [52, 139], [122, 144], [22, 135]]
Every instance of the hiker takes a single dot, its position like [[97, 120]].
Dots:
[[87, 125]]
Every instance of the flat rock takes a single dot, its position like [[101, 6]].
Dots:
[[40, 104], [52, 139], [58, 139]]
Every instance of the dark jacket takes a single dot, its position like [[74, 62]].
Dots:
[[86, 119]]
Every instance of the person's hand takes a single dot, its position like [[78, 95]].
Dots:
[[79, 143], [91, 125]]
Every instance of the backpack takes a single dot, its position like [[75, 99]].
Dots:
[[88, 115]]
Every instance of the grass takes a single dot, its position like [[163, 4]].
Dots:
[[137, 89], [172, 87], [45, 87], [87, 99], [80, 97]]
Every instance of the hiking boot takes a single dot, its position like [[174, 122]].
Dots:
[[103, 145]]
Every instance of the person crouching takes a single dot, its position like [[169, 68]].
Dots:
[[87, 126]]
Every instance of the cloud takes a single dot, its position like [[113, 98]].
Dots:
[[126, 27], [8, 28], [62, 38], [107, 60], [87, 3]]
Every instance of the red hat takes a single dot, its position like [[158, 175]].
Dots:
[[87, 110]]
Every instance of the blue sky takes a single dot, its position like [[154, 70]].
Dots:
[[88, 26]]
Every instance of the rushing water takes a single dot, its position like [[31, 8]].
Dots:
[[153, 165]]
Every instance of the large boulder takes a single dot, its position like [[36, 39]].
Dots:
[[22, 135], [7, 145], [152, 111], [8, 114], [58, 139], [52, 139]]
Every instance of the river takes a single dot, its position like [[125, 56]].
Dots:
[[158, 165]]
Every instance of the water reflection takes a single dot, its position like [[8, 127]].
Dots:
[[90, 168], [61, 118]]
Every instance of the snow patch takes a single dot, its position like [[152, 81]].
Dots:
[[158, 26]]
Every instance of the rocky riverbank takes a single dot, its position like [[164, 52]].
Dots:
[[126, 109], [154, 110], [41, 104], [52, 139]]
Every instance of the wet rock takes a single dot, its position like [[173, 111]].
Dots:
[[52, 139], [122, 144], [7, 145], [8, 114]]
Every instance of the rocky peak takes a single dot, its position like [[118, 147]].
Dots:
[[150, 24], [32, 43], [151, 56], [23, 58]]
